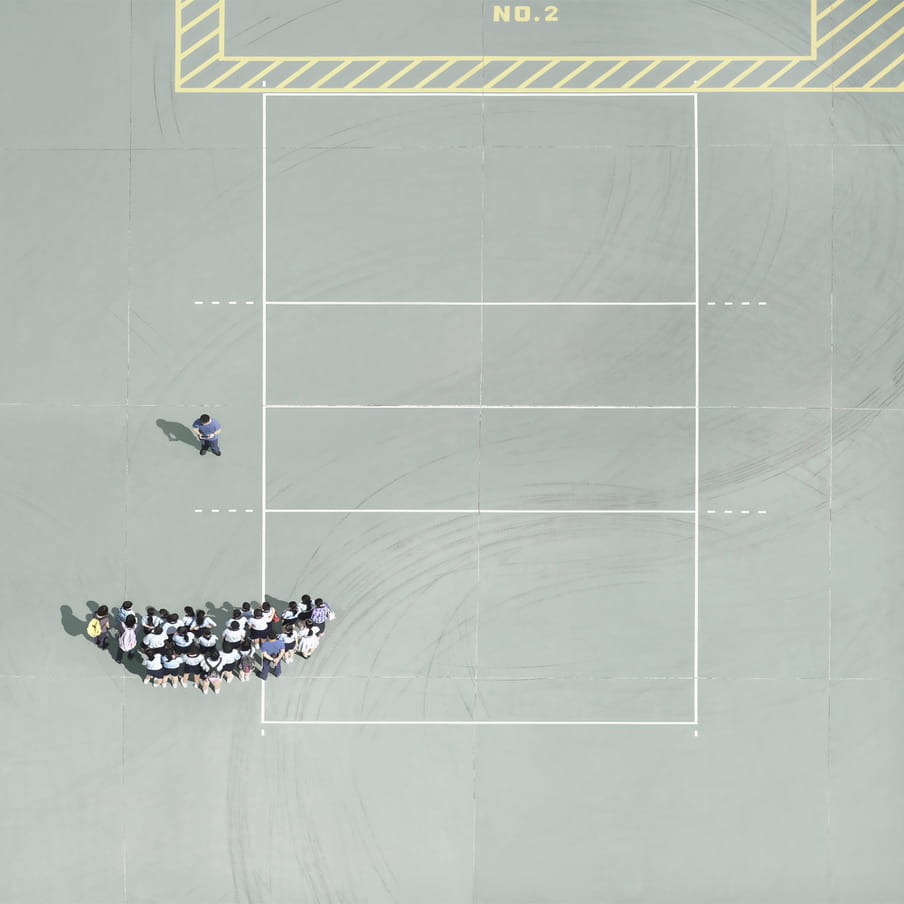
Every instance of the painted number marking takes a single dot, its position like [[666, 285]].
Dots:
[[524, 14]]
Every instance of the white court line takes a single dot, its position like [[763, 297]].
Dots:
[[448, 722], [501, 304], [479, 511], [479, 407], [482, 94], [263, 367], [697, 411]]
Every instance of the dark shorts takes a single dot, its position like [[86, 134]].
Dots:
[[191, 669], [155, 673], [177, 671], [259, 633], [290, 647]]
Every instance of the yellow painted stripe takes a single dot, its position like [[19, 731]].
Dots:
[[868, 57], [848, 20], [331, 73], [676, 73], [744, 74], [226, 74], [364, 74], [197, 19], [503, 74], [183, 4], [829, 9], [641, 74], [262, 73], [711, 73], [295, 74], [610, 71], [571, 75], [469, 73], [884, 72], [850, 44], [198, 44], [197, 69], [402, 72], [538, 73], [779, 74], [434, 74]]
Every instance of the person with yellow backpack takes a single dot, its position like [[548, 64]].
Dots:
[[99, 627]]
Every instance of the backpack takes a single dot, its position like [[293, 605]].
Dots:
[[94, 627], [127, 639]]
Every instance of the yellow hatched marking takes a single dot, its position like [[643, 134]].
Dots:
[[331, 73], [744, 74], [364, 74], [197, 69], [300, 71], [676, 73], [469, 73], [226, 74], [711, 73], [884, 72], [571, 75], [538, 73], [262, 73], [402, 72], [215, 33], [849, 19], [868, 57], [503, 74], [197, 19], [642, 73], [607, 73], [183, 4], [828, 9], [849, 45], [779, 74], [434, 74]]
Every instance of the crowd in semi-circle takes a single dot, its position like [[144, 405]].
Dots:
[[177, 649]]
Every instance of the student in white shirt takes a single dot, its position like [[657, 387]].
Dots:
[[232, 636], [310, 640], [183, 638], [206, 640], [150, 620], [246, 662], [289, 641], [230, 659], [258, 625], [212, 667], [155, 640], [201, 621], [153, 664], [172, 665], [172, 622], [268, 612], [291, 615], [192, 659]]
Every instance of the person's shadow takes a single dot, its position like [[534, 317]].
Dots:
[[73, 624], [178, 433]]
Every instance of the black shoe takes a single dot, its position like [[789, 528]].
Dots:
[[216, 453], [204, 451]]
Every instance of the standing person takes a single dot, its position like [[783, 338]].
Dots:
[[305, 607], [233, 635], [171, 624], [208, 431], [201, 621], [153, 663], [230, 659], [183, 638], [126, 609], [258, 625], [289, 640], [154, 641], [321, 614], [246, 661], [272, 651], [99, 627], [211, 668], [206, 640], [150, 620], [310, 640], [192, 659], [172, 664], [128, 637], [291, 615]]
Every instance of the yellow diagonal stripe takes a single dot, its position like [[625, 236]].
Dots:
[[226, 74], [744, 74], [779, 74], [197, 19], [571, 74], [711, 73], [197, 44], [197, 69], [434, 74], [295, 74], [829, 9], [503, 74], [610, 71], [402, 72], [262, 73], [868, 57], [884, 72], [848, 20], [330, 74], [642, 73], [676, 73], [849, 45], [468, 74], [538, 73], [364, 74]]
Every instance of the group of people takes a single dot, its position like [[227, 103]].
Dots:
[[175, 648]]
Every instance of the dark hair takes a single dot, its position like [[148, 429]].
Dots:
[[236, 613], [130, 621], [305, 598], [246, 646], [265, 607], [192, 650], [182, 631], [233, 626], [246, 607], [200, 615], [158, 629], [173, 617], [126, 604], [163, 613], [271, 633], [169, 648], [308, 623], [258, 613], [151, 611], [102, 611], [212, 653], [204, 419], [206, 632], [318, 602], [188, 610], [293, 606]]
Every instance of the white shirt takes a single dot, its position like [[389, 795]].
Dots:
[[207, 641], [212, 667], [233, 636], [192, 660], [258, 623], [153, 663], [155, 641], [173, 663], [228, 658], [310, 643], [181, 641]]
